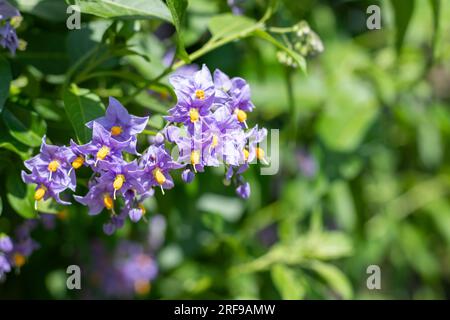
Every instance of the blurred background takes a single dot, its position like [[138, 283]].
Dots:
[[364, 173]]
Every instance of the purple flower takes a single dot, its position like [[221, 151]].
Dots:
[[8, 38], [157, 164], [116, 222], [195, 96], [121, 125], [5, 266], [222, 138], [99, 196], [243, 190], [187, 175], [306, 163], [5, 243], [122, 176], [53, 162], [103, 147], [7, 11], [234, 93], [45, 188], [235, 6], [255, 136]]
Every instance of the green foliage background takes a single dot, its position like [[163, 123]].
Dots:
[[372, 110]]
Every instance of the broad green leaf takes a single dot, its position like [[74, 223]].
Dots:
[[20, 195], [27, 127], [53, 10], [81, 107], [5, 80], [436, 9], [335, 278], [342, 205], [429, 143], [350, 110], [178, 9], [300, 60], [287, 283], [9, 143], [403, 11], [229, 208], [229, 25], [135, 9]]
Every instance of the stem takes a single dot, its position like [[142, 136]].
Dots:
[[149, 132], [280, 30], [292, 109]]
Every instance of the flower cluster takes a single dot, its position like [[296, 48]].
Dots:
[[15, 252], [208, 127], [10, 19], [127, 271]]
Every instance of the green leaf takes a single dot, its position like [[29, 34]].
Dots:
[[287, 283], [350, 109], [81, 107], [229, 25], [403, 10], [300, 60], [342, 204], [335, 278], [436, 9], [134, 9], [52, 10], [5, 80], [178, 9], [20, 196], [27, 127], [1, 206]]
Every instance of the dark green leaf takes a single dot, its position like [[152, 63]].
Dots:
[[27, 127], [403, 10], [81, 107], [135, 9], [20, 196], [178, 9], [5, 80]]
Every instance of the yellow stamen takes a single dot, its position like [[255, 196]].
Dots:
[[116, 130], [200, 94], [19, 260], [260, 153], [108, 201], [102, 153], [246, 154], [118, 181], [194, 115], [241, 115], [53, 166], [215, 141], [159, 176], [195, 157], [142, 287], [141, 206], [78, 162], [40, 193]]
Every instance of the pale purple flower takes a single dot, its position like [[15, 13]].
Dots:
[[121, 125], [103, 147], [5, 243], [157, 164], [53, 162], [243, 190], [99, 196], [195, 96], [8, 38], [187, 175], [7, 11], [234, 92], [45, 188], [122, 176]]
